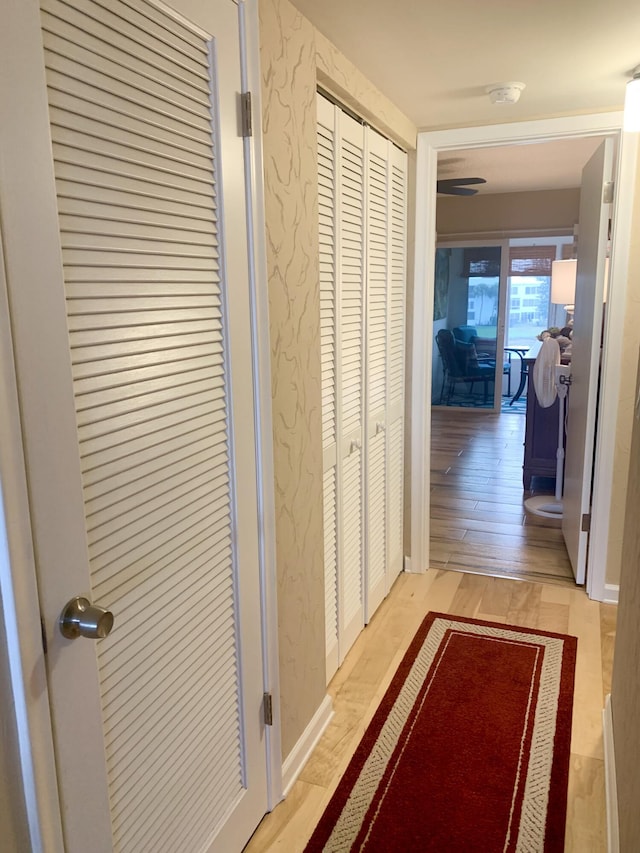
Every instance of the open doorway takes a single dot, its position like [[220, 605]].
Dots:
[[430, 145], [506, 287]]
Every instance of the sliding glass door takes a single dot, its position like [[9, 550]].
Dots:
[[470, 366]]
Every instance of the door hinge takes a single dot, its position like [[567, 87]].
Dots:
[[43, 632], [267, 709], [607, 192], [245, 108], [586, 522]]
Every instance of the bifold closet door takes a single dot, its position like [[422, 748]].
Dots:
[[341, 166], [327, 193], [384, 359], [377, 256], [362, 232], [396, 358], [350, 340]]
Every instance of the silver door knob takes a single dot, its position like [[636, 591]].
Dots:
[[80, 618]]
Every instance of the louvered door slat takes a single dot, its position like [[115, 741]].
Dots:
[[351, 604], [376, 518], [118, 25], [330, 570], [328, 236], [99, 448], [351, 248], [109, 470], [111, 497], [137, 59], [396, 368], [136, 175], [378, 216]]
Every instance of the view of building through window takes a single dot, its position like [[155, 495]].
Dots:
[[527, 307]]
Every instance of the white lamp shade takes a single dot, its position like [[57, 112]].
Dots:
[[563, 282], [631, 119]]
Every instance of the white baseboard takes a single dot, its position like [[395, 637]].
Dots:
[[611, 790], [611, 593], [407, 563], [297, 758]]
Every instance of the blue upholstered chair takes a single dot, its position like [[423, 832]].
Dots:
[[461, 364], [485, 349]]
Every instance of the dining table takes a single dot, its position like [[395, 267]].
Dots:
[[524, 370]]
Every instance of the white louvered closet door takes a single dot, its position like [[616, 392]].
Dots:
[[362, 234], [327, 192], [148, 165], [396, 339], [350, 345], [377, 254]]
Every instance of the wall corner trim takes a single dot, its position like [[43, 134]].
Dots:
[[611, 791], [297, 758]]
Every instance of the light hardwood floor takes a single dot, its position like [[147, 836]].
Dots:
[[360, 683], [507, 567], [478, 519]]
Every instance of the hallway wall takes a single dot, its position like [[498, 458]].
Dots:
[[625, 691], [508, 214], [295, 58]]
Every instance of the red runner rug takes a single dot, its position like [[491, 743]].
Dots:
[[468, 751]]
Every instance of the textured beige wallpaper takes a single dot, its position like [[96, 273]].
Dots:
[[290, 175], [340, 77], [291, 52]]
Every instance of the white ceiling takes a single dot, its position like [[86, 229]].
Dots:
[[521, 168], [435, 59]]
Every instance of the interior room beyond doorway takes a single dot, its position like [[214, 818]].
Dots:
[[478, 521]]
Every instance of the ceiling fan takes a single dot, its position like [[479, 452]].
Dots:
[[458, 186]]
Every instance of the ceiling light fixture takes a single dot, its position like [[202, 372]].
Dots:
[[631, 121], [504, 93]]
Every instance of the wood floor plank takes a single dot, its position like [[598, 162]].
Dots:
[[553, 617], [496, 599], [445, 531], [608, 615], [288, 828], [496, 495], [526, 557], [448, 502], [533, 538], [525, 604], [586, 815], [584, 623], [498, 517], [469, 595]]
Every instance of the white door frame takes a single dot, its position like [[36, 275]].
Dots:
[[429, 145], [29, 703]]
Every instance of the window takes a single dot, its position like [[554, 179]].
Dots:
[[530, 275]]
